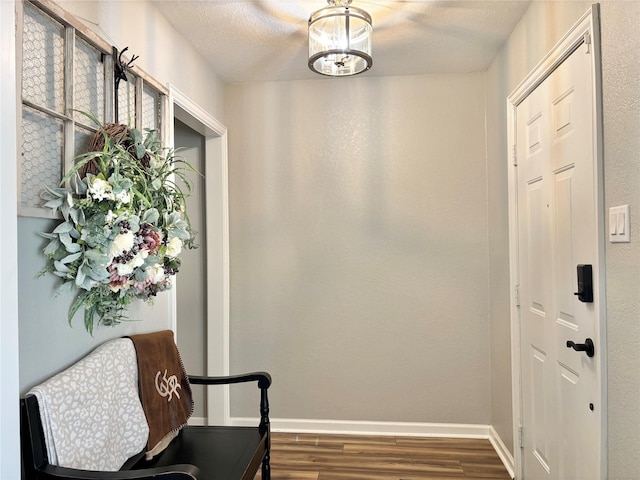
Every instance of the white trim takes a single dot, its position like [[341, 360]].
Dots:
[[502, 451], [558, 54], [198, 421], [589, 23], [9, 358], [352, 427], [216, 153]]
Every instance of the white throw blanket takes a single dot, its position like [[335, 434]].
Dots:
[[91, 412]]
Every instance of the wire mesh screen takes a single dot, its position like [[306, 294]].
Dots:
[[127, 101], [43, 60], [150, 109], [81, 140], [42, 149], [88, 80]]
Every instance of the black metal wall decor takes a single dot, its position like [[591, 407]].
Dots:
[[120, 68]]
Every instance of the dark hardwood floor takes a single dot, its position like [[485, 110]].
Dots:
[[342, 457]]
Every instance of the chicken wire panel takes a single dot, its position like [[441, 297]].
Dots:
[[88, 80], [43, 60], [150, 109], [127, 101], [42, 149]]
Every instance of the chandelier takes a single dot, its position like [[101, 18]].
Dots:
[[340, 40]]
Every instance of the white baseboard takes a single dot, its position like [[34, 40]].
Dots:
[[405, 429], [502, 451], [372, 428], [197, 421]]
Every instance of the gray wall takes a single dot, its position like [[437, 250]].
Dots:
[[541, 27], [359, 267], [621, 82]]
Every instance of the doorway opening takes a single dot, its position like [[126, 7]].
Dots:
[[201, 318]]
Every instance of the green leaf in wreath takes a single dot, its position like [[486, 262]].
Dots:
[[53, 204], [52, 247], [151, 216], [66, 287], [64, 227], [69, 244], [71, 258], [61, 267]]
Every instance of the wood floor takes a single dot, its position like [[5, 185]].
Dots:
[[342, 457]]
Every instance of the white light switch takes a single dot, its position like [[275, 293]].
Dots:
[[613, 224], [619, 224]]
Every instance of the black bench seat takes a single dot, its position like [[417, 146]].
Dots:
[[198, 452]]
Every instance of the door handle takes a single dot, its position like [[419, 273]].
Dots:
[[586, 347]]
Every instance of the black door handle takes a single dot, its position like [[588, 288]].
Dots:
[[586, 347]]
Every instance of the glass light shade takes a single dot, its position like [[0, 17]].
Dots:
[[340, 41]]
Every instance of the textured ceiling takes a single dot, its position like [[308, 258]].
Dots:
[[265, 40]]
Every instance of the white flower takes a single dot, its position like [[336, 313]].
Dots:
[[121, 244], [174, 247], [155, 273], [110, 217], [100, 189], [125, 269], [123, 197]]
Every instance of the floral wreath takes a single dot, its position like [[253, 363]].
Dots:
[[124, 223]]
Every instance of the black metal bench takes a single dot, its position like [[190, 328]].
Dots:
[[198, 452]]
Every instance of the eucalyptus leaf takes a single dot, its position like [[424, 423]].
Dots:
[[136, 135], [52, 247], [61, 267], [65, 288], [64, 227], [64, 208], [71, 258], [80, 277], [73, 213], [151, 216], [179, 232], [69, 244], [53, 204], [97, 257], [81, 217], [151, 260]]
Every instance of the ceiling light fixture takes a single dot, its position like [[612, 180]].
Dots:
[[340, 40]]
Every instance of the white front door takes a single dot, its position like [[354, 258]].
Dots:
[[557, 230]]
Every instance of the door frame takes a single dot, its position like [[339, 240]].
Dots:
[[216, 194], [9, 355], [586, 29]]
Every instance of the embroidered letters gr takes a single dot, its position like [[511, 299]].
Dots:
[[168, 386]]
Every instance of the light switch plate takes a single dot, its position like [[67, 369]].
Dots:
[[619, 224]]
